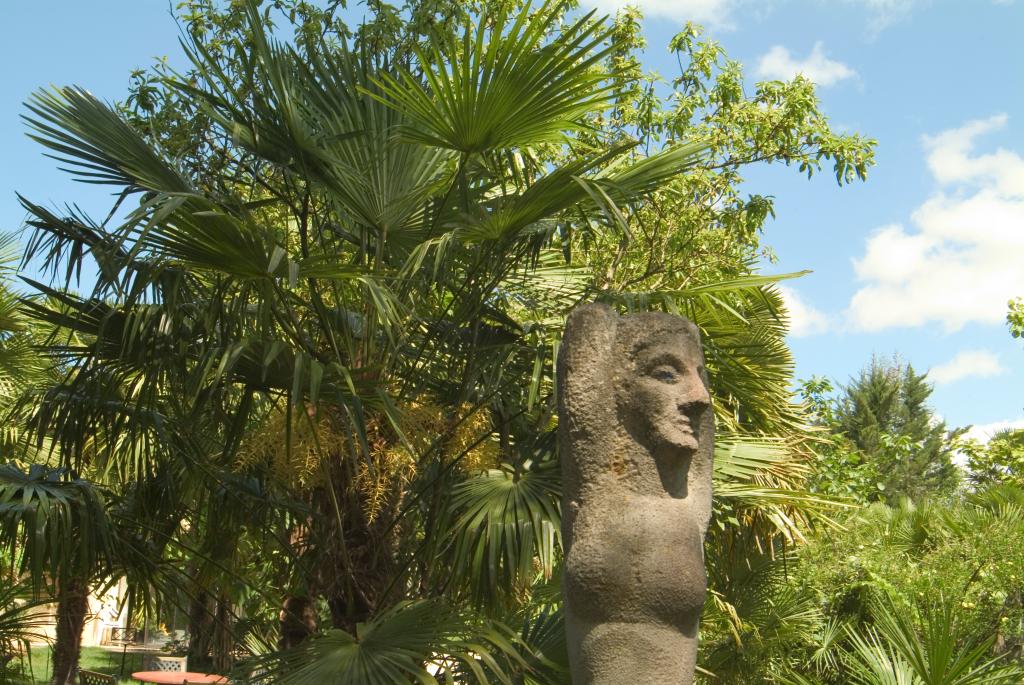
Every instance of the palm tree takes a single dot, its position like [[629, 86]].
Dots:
[[361, 303]]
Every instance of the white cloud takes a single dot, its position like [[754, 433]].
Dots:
[[778, 63], [881, 13], [984, 432], [967, 364], [713, 12], [950, 160], [959, 262], [885, 13], [804, 319]]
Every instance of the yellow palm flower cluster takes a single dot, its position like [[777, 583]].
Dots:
[[320, 440]]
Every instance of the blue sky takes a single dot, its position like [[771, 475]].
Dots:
[[919, 261]]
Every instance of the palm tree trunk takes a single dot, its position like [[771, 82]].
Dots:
[[72, 609], [223, 636], [297, 621], [200, 630]]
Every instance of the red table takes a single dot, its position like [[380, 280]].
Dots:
[[178, 677]]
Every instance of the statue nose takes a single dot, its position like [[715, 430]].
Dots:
[[694, 397]]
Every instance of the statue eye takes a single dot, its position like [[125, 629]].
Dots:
[[665, 374]]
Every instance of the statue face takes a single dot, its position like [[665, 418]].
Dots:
[[664, 395]]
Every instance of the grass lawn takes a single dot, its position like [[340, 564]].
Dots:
[[93, 659]]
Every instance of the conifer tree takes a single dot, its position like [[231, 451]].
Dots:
[[884, 412]]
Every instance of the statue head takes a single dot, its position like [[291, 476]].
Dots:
[[661, 390], [634, 402]]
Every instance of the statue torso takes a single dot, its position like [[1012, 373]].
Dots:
[[642, 556]]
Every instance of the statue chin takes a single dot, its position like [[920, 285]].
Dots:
[[670, 440], [682, 443]]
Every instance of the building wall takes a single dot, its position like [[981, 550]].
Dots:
[[106, 611]]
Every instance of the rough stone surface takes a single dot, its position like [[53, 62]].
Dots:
[[636, 435]]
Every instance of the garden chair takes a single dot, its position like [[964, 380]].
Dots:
[[123, 637], [93, 678], [170, 664]]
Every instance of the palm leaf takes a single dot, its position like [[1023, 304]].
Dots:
[[759, 487], [60, 523], [941, 653], [875, 662], [544, 634], [757, 612], [100, 147]]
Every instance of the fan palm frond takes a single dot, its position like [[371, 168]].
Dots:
[[397, 646], [501, 86], [875, 662], [548, 659], [940, 653], [760, 487], [502, 523], [22, 618], [756, 612]]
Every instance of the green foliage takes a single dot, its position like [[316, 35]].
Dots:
[[934, 649], [547, 661], [919, 644], [999, 461], [755, 618], [966, 555], [926, 593], [840, 470], [501, 525], [1015, 317], [57, 525], [493, 89], [753, 615], [21, 623], [21, 365]]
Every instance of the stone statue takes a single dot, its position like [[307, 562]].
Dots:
[[636, 434]]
